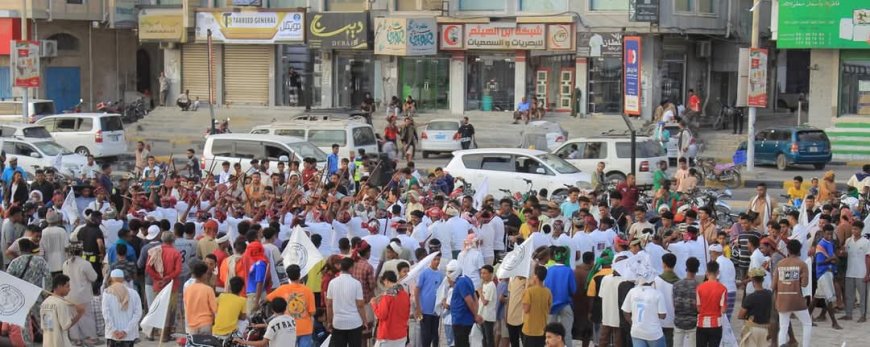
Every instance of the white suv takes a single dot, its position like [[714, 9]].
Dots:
[[100, 134], [615, 152]]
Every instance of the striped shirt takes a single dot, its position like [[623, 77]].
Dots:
[[711, 297], [122, 320]]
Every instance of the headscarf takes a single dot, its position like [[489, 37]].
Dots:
[[453, 269], [360, 248], [119, 289], [333, 259], [253, 253], [560, 255], [469, 242], [605, 259]]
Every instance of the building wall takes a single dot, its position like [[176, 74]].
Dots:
[[58, 9], [825, 81]]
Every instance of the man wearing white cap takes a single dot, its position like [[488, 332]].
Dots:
[[122, 309], [727, 275], [152, 241]]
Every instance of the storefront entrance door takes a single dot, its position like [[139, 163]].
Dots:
[[425, 80], [353, 78], [673, 77]]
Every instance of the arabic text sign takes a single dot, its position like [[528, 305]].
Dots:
[[631, 66], [405, 36], [599, 45], [757, 93], [505, 36], [161, 24], [338, 30], [452, 36], [251, 27], [24, 59], [643, 11], [823, 24]]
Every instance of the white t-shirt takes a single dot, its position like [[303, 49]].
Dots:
[[344, 291], [655, 254], [442, 232], [681, 251], [458, 232], [727, 274], [421, 232], [856, 251], [667, 291], [698, 249], [486, 234], [645, 304], [609, 300], [378, 243], [470, 261], [498, 237], [756, 260], [281, 331], [488, 310], [582, 244], [602, 239]]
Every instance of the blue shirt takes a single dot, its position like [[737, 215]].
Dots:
[[427, 288], [558, 276], [256, 274], [821, 257], [332, 163], [459, 311], [568, 208], [9, 171], [112, 253], [523, 106]]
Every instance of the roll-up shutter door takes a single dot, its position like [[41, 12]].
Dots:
[[246, 73], [194, 70]]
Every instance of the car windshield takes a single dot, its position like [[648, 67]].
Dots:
[[111, 123], [51, 148], [560, 165], [444, 126], [305, 150], [38, 132], [645, 149], [812, 136]]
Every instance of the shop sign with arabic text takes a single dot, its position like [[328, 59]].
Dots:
[[405, 36], [338, 30], [505, 36]]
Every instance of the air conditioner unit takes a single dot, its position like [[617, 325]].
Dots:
[[703, 49], [47, 48], [167, 45]]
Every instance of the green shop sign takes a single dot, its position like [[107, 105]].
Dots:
[[823, 24]]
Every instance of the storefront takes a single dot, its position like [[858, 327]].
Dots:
[[506, 61], [604, 87], [246, 43], [854, 82], [421, 74], [194, 69], [343, 42]]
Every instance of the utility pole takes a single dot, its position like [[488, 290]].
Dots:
[[753, 112], [211, 98], [26, 103]]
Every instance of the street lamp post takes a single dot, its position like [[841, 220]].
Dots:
[[210, 80], [750, 141]]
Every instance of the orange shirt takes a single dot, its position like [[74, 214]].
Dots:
[[199, 305], [300, 305]]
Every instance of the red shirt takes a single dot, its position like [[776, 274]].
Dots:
[[220, 255], [392, 311], [695, 103], [629, 196], [171, 269], [711, 297]]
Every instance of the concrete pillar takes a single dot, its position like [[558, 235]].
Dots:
[[581, 79], [326, 78], [218, 74], [519, 77], [172, 69], [457, 83], [647, 77], [825, 82]]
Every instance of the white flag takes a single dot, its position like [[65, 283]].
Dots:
[[69, 207], [517, 262], [58, 162], [418, 268], [16, 298], [481, 193], [158, 311], [326, 341], [301, 251]]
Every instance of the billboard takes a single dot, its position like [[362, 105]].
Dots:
[[505, 36], [161, 24], [757, 92], [823, 24], [631, 66], [24, 59], [333, 30], [251, 27], [599, 45], [405, 36]]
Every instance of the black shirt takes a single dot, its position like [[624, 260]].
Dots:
[[757, 306], [88, 236], [44, 187], [622, 293], [466, 131]]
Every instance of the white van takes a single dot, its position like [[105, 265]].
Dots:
[[10, 110], [100, 134], [241, 148], [350, 135]]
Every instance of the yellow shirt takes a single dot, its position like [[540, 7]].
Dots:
[[796, 193], [230, 306], [539, 299], [525, 230]]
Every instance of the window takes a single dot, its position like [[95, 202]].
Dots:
[[7, 131], [326, 138], [558, 164], [605, 85], [43, 108], [111, 124], [644, 149], [65, 125], [695, 6], [35, 132], [497, 162], [608, 5], [75, 2], [222, 148], [418, 5], [49, 124], [65, 42], [85, 124], [363, 136], [594, 150], [565, 151], [544, 5], [443, 126], [812, 136], [707, 6], [286, 3], [345, 5], [472, 161], [530, 165], [684, 5], [248, 149], [51, 148], [300, 133], [306, 150], [9, 148], [24, 149], [274, 152], [260, 132], [481, 5], [854, 85]]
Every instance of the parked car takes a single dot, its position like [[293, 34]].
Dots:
[[21, 130], [543, 135], [241, 148], [334, 113], [517, 170], [440, 136], [42, 153], [585, 153], [99, 134], [350, 135], [784, 146], [11, 110]]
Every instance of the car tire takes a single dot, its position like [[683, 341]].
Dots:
[[614, 176], [425, 155], [83, 151], [781, 162], [819, 166]]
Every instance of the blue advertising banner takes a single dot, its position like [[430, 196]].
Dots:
[[631, 61]]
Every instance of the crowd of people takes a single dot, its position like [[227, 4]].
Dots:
[[407, 263]]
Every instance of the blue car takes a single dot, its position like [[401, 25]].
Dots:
[[784, 146]]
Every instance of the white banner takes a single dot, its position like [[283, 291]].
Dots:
[[251, 27], [157, 312], [301, 251], [16, 298], [517, 262]]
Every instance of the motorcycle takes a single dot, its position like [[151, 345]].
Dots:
[[726, 174], [726, 113], [714, 201], [77, 108]]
